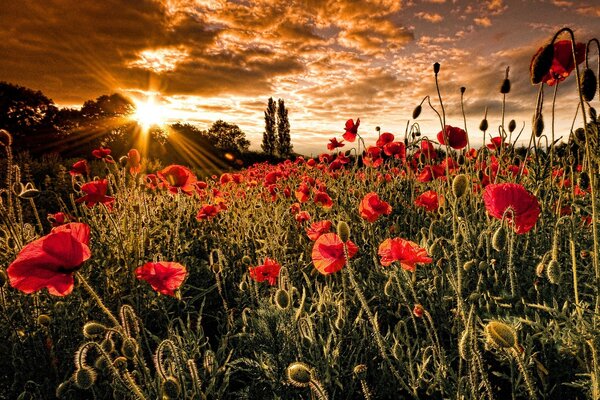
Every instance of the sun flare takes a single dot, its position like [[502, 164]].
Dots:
[[148, 113]]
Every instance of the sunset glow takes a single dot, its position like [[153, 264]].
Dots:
[[148, 113]]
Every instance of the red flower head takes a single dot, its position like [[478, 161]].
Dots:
[[373, 157], [302, 216], [133, 161], [334, 144], [328, 253], [396, 149], [165, 277], [322, 198], [562, 64], [59, 218], [269, 271], [351, 130], [407, 253], [103, 153], [431, 172], [513, 202], [457, 138], [50, 261], [371, 207], [302, 193], [317, 229], [496, 143], [207, 211], [81, 167], [428, 200], [384, 139], [177, 177], [95, 192]]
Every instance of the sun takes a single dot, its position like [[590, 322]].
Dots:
[[148, 113]]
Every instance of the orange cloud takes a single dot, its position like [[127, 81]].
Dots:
[[431, 17]]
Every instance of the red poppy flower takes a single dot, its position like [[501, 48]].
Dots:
[[395, 149], [50, 261], [431, 172], [311, 163], [342, 158], [95, 192], [371, 207], [334, 144], [81, 167], [302, 216], [177, 177], [59, 218], [317, 229], [562, 64], [497, 143], [165, 277], [302, 193], [428, 149], [322, 198], [428, 200], [351, 130], [207, 211], [328, 253], [457, 138], [133, 161], [513, 202], [269, 271], [418, 311], [407, 253], [103, 153], [384, 139], [372, 157]]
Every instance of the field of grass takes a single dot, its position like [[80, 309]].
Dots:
[[423, 268]]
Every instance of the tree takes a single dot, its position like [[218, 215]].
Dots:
[[269, 143], [284, 145], [227, 137], [29, 116]]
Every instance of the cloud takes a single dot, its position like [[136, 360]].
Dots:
[[589, 11], [431, 17], [484, 21]]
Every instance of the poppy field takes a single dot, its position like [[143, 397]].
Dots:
[[416, 266]]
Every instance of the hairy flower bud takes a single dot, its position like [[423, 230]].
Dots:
[[93, 329], [299, 374], [538, 125], [512, 125], [84, 378], [282, 299], [343, 231], [417, 111], [553, 272], [436, 68], [483, 126], [500, 335], [505, 87], [171, 388], [588, 84], [460, 185], [499, 239]]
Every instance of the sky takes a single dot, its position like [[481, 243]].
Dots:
[[330, 60]]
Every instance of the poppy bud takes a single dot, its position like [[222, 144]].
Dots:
[[418, 311], [298, 374], [473, 297], [584, 254], [588, 84], [44, 320], [343, 231], [461, 159], [593, 115], [583, 181], [512, 125], [123, 161], [463, 89], [282, 299], [321, 308], [209, 362], [579, 135], [499, 239], [120, 363], [505, 87], [388, 288], [339, 323], [538, 125], [553, 272], [469, 265], [3, 278], [460, 185], [464, 344], [417, 111], [84, 378], [101, 364], [541, 63], [92, 329], [243, 286], [539, 269], [436, 68], [107, 345], [377, 128], [129, 348], [360, 371], [171, 388], [500, 335], [246, 260], [483, 126]]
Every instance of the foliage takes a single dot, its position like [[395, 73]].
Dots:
[[269, 143]]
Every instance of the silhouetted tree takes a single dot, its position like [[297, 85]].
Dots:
[[284, 145], [227, 137], [269, 143], [30, 117]]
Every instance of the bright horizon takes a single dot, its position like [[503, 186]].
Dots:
[[329, 60]]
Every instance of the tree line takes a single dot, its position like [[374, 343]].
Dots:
[[39, 127]]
